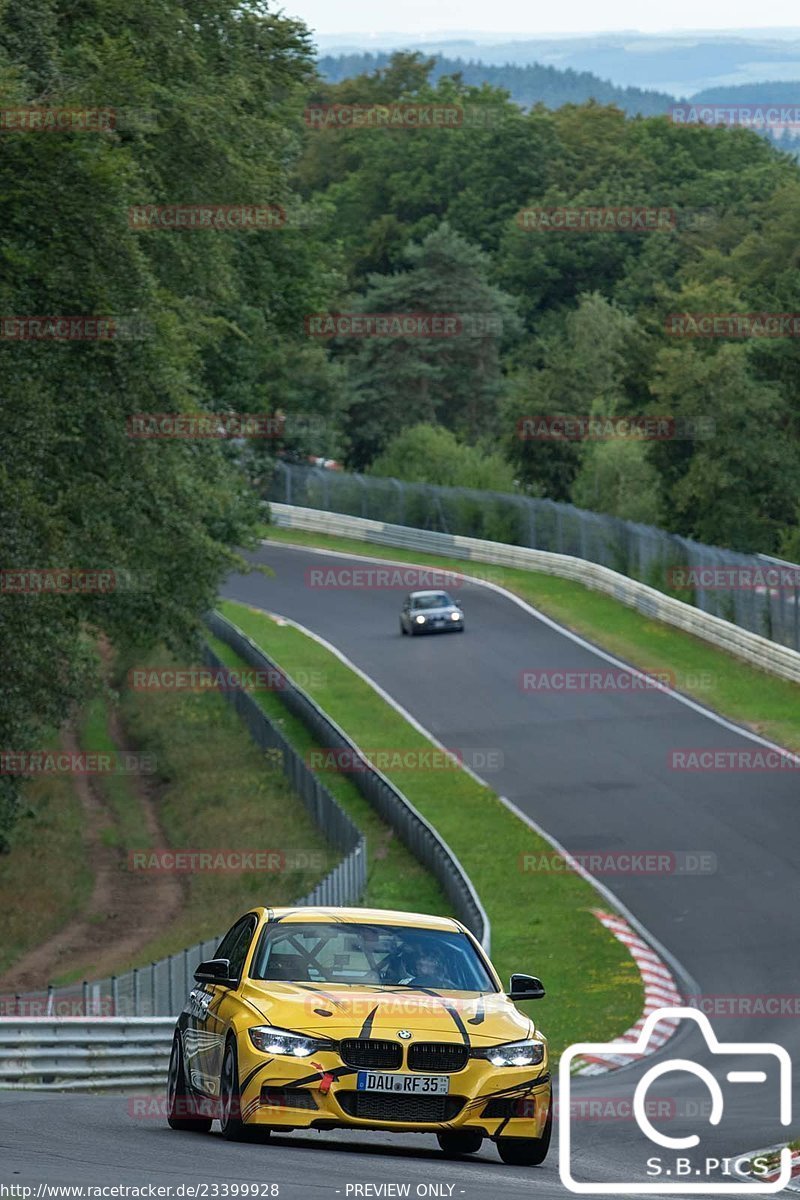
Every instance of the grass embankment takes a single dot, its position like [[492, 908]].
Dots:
[[127, 831], [762, 702], [217, 790], [213, 789], [44, 878], [540, 923], [395, 879]]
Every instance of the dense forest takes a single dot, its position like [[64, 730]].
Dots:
[[219, 110], [431, 216]]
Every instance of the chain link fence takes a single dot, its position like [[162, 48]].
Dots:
[[763, 595]]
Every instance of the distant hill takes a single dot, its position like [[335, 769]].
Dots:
[[680, 64], [527, 85], [751, 93], [763, 95]]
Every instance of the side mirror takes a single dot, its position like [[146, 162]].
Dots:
[[525, 987], [215, 970]]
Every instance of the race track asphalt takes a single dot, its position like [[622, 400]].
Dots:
[[592, 768]]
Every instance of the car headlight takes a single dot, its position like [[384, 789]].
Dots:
[[420, 620], [284, 1041], [513, 1054], [455, 616]]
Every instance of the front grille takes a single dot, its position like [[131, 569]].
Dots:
[[273, 1097], [371, 1052], [438, 1056], [378, 1106]]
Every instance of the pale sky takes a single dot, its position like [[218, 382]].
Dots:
[[523, 18]]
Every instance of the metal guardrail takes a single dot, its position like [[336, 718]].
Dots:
[[160, 988], [75, 1053], [389, 802], [641, 552], [759, 651], [345, 883]]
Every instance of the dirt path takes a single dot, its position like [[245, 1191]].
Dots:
[[125, 911]]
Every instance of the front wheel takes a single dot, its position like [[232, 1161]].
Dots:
[[180, 1105], [468, 1141], [527, 1152], [230, 1102]]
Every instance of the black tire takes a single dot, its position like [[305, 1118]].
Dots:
[[467, 1141], [179, 1100], [230, 1122], [402, 629], [527, 1152]]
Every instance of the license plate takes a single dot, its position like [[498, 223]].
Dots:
[[380, 1081]]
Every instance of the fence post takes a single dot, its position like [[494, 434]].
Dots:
[[114, 996], [85, 991], [136, 991]]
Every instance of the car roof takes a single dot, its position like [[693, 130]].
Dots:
[[370, 916], [431, 592]]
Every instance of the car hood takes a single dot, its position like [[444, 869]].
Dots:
[[380, 1012]]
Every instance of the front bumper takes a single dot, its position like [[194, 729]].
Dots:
[[439, 626], [320, 1093]]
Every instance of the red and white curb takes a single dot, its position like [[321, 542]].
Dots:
[[794, 1185], [772, 1175], [660, 991]]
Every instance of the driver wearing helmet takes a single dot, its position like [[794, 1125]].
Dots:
[[422, 966]]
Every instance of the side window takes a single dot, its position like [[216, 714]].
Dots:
[[239, 951], [223, 950], [235, 944]]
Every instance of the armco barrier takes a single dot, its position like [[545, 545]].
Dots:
[[411, 827], [757, 650], [76, 1053]]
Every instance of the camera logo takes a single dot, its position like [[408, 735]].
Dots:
[[682, 1169]]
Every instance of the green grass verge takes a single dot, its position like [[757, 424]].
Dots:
[[762, 702], [218, 790], [540, 923], [44, 878], [395, 879]]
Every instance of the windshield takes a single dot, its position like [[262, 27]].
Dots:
[[434, 600], [376, 955]]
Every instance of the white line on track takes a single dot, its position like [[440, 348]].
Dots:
[[662, 953]]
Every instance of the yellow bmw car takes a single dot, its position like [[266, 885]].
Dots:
[[330, 1018]]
